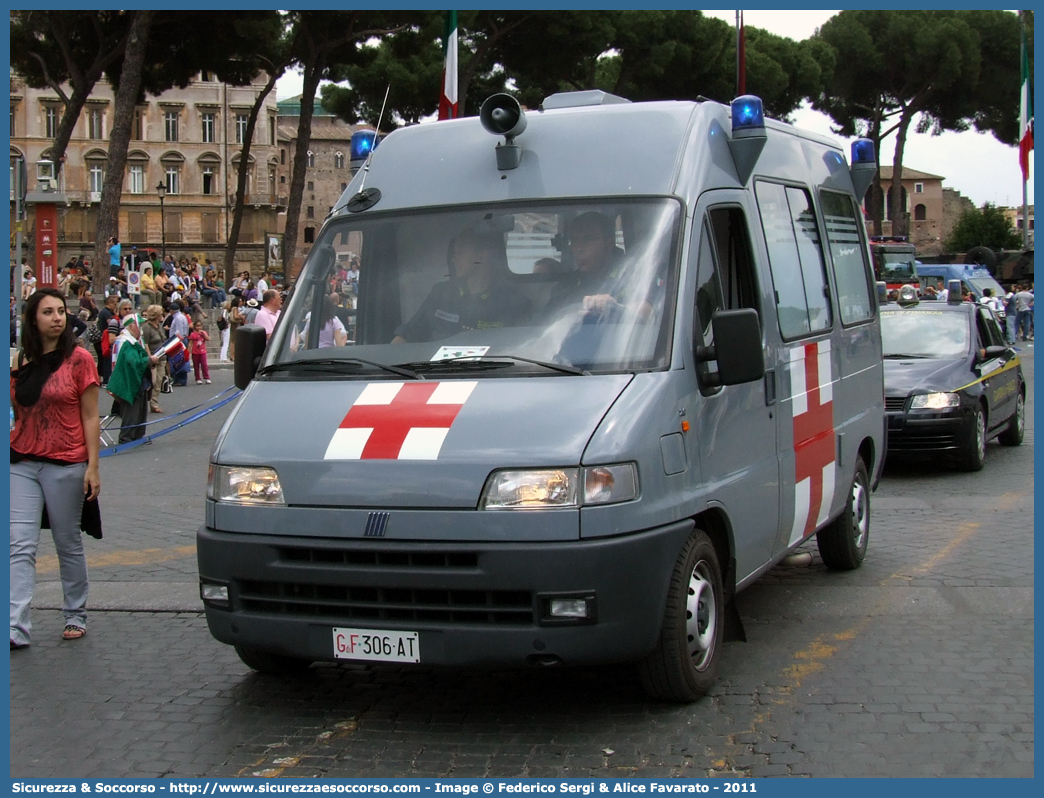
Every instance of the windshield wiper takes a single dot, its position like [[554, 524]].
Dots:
[[332, 365], [482, 362], [903, 355]]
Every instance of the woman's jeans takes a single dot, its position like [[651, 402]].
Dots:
[[61, 487]]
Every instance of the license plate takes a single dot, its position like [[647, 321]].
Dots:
[[376, 645]]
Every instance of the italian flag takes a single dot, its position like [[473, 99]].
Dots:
[[448, 101], [1025, 114]]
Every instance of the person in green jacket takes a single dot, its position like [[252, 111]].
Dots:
[[130, 381]]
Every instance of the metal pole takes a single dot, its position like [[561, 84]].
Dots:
[[1025, 217], [163, 230]]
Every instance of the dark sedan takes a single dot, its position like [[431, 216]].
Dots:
[[951, 382]]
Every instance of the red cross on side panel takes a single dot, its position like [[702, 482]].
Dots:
[[814, 441]]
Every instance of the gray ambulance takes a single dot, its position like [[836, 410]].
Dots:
[[608, 362]]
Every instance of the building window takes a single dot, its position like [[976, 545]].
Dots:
[[208, 180], [309, 235], [241, 128], [310, 213], [12, 121], [282, 180], [137, 179], [173, 173], [170, 125], [138, 125], [338, 160], [282, 157], [272, 130], [207, 121], [311, 158], [96, 177], [344, 187], [51, 121], [311, 185], [918, 188], [95, 123], [920, 212]]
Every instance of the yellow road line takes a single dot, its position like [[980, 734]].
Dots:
[[49, 563]]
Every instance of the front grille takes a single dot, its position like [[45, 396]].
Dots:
[[895, 404], [406, 605], [903, 442], [378, 558]]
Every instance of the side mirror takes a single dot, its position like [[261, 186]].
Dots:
[[251, 341], [737, 347], [993, 352]]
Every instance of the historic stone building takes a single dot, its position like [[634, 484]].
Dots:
[[186, 140]]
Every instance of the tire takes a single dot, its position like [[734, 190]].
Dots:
[[267, 662], [1016, 429], [972, 456], [842, 543], [684, 665]]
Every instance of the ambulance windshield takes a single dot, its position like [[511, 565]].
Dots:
[[588, 286]]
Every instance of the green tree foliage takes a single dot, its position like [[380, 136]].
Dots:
[[641, 55], [983, 227], [934, 70]]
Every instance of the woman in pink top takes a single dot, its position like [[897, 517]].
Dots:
[[198, 339], [54, 459]]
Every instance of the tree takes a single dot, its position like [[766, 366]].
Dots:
[[983, 227], [119, 139], [53, 48], [321, 40], [937, 70]]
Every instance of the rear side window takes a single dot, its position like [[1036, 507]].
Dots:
[[851, 270], [795, 259]]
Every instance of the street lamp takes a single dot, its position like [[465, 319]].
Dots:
[[161, 189]]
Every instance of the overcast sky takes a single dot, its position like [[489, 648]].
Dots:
[[976, 164]]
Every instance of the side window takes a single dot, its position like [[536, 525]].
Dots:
[[851, 270], [725, 277], [990, 330], [795, 258]]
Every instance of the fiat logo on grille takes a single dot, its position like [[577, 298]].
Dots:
[[376, 524]]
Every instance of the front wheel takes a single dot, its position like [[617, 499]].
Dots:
[[842, 543], [973, 452], [267, 662], [684, 665]]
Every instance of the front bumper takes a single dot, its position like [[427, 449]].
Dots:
[[471, 603], [928, 431]]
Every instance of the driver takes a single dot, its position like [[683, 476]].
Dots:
[[599, 263], [474, 298]]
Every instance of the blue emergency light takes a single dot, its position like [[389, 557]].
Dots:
[[748, 114], [863, 152], [363, 141]]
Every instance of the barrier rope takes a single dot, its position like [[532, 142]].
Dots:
[[114, 450], [179, 413]]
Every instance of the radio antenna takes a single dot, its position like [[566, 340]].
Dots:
[[376, 136]]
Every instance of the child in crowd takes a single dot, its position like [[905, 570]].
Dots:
[[198, 339]]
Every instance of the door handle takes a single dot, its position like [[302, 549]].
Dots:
[[770, 387]]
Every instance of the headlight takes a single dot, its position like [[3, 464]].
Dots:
[[530, 489], [524, 489], [244, 485], [935, 401]]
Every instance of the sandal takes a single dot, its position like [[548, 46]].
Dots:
[[73, 632]]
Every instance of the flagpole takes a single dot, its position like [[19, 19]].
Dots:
[[1026, 129]]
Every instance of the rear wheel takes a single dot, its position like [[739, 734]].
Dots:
[[973, 451], [267, 662], [842, 543], [1016, 429], [684, 665]]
